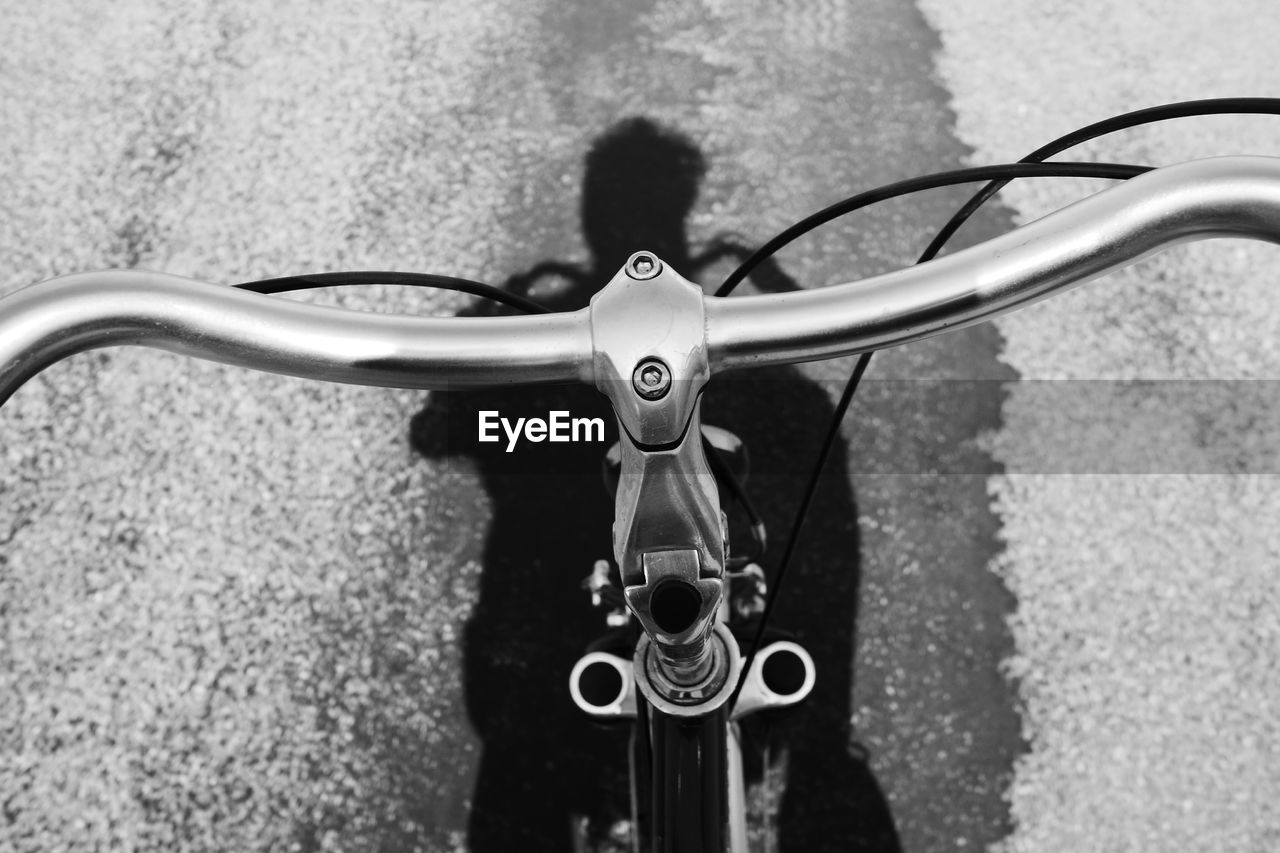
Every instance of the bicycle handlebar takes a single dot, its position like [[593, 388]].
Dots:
[[46, 322], [1225, 196], [1217, 197]]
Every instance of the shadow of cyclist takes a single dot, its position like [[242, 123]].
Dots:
[[543, 763]]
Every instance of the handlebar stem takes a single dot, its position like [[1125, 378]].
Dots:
[[649, 351]]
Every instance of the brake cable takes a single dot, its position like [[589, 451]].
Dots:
[[1211, 106], [413, 279], [723, 473], [997, 177], [1150, 115], [856, 202], [719, 468]]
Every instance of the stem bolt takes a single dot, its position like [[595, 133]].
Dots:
[[642, 266], [651, 379]]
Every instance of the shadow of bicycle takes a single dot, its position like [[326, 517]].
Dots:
[[544, 765]]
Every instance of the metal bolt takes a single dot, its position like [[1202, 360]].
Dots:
[[651, 379], [643, 265]]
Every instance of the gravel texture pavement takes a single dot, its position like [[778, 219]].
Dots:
[[1148, 616], [221, 628], [248, 612]]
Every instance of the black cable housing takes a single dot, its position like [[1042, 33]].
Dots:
[[412, 279], [1212, 106]]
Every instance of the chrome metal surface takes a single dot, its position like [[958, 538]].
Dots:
[[758, 695], [668, 531], [667, 500], [1218, 197], [683, 649], [637, 321], [51, 320], [623, 705], [689, 700]]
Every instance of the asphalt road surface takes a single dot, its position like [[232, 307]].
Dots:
[[250, 612]]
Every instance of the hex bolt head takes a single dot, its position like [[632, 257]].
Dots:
[[642, 266], [651, 379]]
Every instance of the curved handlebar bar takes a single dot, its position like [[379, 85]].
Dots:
[[51, 320], [1217, 197], [1220, 197]]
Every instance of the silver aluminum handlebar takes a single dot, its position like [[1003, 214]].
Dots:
[[1219, 197], [51, 320]]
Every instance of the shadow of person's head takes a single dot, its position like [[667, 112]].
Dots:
[[551, 520], [641, 182]]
